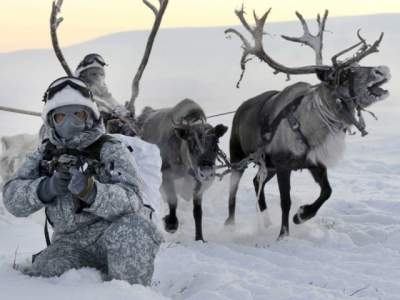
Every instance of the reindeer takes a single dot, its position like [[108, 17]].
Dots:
[[303, 126], [189, 149], [13, 152]]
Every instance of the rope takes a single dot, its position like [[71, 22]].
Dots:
[[221, 114], [20, 111], [328, 118], [257, 157], [100, 102]]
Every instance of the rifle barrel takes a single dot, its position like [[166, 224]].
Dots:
[[20, 111]]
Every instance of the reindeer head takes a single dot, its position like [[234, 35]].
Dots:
[[360, 84], [357, 87], [199, 147]]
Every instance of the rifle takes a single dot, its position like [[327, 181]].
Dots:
[[65, 162]]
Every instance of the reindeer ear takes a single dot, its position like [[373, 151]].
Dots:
[[182, 133], [324, 75], [220, 130]]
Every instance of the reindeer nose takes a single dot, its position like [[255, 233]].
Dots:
[[206, 162], [383, 71]]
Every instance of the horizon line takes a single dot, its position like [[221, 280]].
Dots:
[[15, 51]]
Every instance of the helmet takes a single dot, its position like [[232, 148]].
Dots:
[[90, 61], [68, 91]]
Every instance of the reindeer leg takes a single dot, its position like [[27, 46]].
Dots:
[[284, 190], [306, 212], [171, 222], [261, 196], [198, 215], [235, 179], [260, 191]]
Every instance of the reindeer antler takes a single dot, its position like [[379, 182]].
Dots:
[[313, 41], [54, 23], [158, 13], [257, 49], [361, 53]]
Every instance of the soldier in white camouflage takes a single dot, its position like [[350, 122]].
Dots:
[[92, 71], [89, 186], [116, 117]]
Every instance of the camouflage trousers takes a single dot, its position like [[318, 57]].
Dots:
[[125, 250]]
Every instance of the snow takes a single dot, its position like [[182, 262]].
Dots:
[[352, 244], [349, 250]]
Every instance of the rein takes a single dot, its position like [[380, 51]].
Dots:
[[360, 123], [257, 158], [327, 117]]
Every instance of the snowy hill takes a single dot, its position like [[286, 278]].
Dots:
[[349, 250], [200, 63]]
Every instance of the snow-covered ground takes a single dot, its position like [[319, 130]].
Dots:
[[351, 249]]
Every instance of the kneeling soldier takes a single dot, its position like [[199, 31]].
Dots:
[[89, 186]]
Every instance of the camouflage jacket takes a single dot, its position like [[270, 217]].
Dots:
[[118, 193]]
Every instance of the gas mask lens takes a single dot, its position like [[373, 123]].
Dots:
[[59, 118], [79, 116]]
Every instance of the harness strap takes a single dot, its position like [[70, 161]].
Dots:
[[46, 232], [268, 129], [295, 125]]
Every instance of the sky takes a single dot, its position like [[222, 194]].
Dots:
[[24, 24]]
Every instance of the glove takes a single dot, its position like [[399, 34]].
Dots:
[[51, 187], [82, 186]]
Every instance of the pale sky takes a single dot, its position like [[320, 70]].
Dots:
[[25, 23]]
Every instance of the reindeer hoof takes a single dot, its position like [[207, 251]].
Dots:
[[171, 224], [200, 239], [304, 213], [229, 221], [284, 233], [265, 219]]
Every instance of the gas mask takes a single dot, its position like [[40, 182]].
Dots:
[[69, 121], [95, 78]]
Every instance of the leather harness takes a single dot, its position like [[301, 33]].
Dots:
[[268, 129]]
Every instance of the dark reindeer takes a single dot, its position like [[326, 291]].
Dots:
[[302, 126], [189, 149]]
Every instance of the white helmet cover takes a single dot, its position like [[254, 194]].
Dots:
[[94, 64], [69, 96], [92, 60]]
